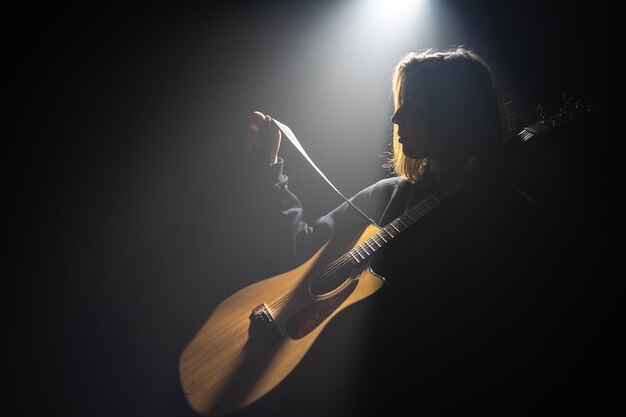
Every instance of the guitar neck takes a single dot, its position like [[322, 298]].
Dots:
[[368, 248]]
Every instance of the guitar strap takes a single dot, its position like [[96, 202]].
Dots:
[[292, 138]]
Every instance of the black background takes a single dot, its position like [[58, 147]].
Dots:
[[126, 223]]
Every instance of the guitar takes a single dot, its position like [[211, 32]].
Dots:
[[257, 336]]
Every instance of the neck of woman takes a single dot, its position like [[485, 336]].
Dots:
[[445, 169]]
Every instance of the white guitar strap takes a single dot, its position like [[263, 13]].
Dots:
[[292, 138]]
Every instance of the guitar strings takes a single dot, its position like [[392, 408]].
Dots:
[[346, 258], [334, 266], [324, 274]]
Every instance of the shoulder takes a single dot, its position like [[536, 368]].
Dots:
[[374, 198], [384, 185], [380, 189]]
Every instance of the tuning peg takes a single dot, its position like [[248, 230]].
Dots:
[[566, 100], [541, 112]]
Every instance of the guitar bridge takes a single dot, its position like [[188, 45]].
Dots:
[[263, 321]]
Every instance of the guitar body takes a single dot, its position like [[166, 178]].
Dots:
[[257, 336]]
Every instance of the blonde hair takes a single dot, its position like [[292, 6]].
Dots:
[[451, 72]]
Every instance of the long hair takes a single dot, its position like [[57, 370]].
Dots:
[[459, 89]]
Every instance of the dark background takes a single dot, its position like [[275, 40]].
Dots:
[[126, 220]]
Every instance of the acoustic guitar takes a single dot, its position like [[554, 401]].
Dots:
[[257, 336]]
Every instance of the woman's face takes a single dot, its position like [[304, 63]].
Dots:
[[421, 133]]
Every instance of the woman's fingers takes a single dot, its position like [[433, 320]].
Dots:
[[261, 132]]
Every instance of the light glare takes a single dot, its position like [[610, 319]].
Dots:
[[395, 10]]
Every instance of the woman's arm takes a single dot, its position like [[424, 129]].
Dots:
[[293, 240]]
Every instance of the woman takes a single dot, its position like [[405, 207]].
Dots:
[[446, 115], [449, 322]]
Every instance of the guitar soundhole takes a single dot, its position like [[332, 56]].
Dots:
[[311, 316], [325, 283]]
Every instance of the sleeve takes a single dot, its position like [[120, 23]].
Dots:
[[294, 240]]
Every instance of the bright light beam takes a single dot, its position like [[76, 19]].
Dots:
[[397, 10]]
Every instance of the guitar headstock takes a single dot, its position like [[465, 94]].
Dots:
[[572, 110]]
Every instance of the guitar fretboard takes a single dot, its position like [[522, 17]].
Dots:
[[368, 247]]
